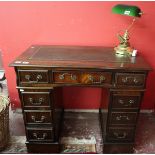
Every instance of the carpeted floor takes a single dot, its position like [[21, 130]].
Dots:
[[70, 145], [16, 145], [79, 148]]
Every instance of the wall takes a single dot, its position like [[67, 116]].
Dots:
[[73, 23]]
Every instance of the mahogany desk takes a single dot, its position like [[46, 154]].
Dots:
[[42, 69]]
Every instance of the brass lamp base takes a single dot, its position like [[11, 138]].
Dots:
[[123, 50], [124, 47]]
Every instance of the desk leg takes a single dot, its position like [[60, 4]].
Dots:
[[119, 127], [103, 112], [38, 143]]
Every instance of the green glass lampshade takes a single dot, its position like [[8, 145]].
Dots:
[[128, 10]]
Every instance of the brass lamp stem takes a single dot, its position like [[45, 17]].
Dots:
[[129, 27]]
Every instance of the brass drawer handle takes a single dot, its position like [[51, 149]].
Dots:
[[40, 138], [120, 101], [119, 135], [126, 79], [129, 103], [135, 81], [72, 76], [41, 100], [41, 120], [38, 78], [92, 79], [119, 118]]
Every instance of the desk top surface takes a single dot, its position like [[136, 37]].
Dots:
[[78, 57]]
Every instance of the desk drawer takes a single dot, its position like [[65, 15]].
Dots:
[[130, 79], [38, 117], [125, 102], [123, 118], [36, 99], [66, 77], [96, 78], [33, 76], [41, 134], [120, 134], [82, 77]]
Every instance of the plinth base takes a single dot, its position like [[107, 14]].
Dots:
[[43, 147], [118, 148]]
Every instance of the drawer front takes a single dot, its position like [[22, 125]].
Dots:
[[125, 102], [123, 118], [33, 76], [82, 77], [66, 77], [45, 135], [127, 79], [96, 78], [120, 134], [38, 117], [36, 99]]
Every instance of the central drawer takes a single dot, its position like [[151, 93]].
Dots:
[[77, 77]]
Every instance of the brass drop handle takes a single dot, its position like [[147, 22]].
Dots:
[[135, 80], [38, 78], [72, 76], [125, 79], [44, 135], [36, 121], [129, 103], [120, 135], [41, 100], [118, 118], [92, 79], [120, 101]]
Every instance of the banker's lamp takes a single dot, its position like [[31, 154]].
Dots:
[[124, 47]]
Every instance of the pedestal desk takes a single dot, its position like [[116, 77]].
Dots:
[[43, 69]]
